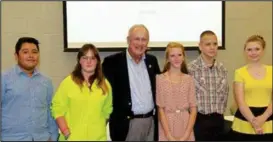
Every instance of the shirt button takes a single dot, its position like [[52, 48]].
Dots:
[[129, 103], [128, 117]]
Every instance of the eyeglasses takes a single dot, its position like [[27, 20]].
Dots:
[[85, 58]]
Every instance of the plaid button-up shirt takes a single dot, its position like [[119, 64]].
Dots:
[[211, 86]]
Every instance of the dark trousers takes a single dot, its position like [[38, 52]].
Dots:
[[209, 127]]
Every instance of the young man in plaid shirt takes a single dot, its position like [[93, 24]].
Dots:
[[211, 89]]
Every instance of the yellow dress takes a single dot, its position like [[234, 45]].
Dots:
[[85, 111], [257, 93]]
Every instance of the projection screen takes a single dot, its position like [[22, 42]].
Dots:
[[106, 23]]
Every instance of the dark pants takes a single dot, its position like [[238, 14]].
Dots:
[[209, 127]]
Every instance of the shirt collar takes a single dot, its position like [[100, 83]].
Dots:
[[18, 70], [131, 58], [203, 64]]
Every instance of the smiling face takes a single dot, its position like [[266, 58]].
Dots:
[[254, 48], [175, 57], [137, 40], [254, 51], [28, 56]]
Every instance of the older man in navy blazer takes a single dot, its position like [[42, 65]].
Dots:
[[132, 76]]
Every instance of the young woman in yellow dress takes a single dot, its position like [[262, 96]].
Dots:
[[83, 101], [253, 95]]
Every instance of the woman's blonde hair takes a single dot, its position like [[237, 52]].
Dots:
[[256, 38], [167, 65]]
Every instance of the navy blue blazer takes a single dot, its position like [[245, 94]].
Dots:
[[116, 71]]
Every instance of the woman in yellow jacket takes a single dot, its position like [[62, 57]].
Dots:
[[83, 101]]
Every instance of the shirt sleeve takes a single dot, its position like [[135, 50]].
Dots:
[[159, 93], [53, 128], [60, 101], [238, 77], [108, 107]]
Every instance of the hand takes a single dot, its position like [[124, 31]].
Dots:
[[257, 123], [258, 131], [185, 137], [171, 138], [66, 137], [182, 139], [260, 120], [254, 123]]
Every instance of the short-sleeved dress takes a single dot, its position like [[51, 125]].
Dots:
[[258, 95], [176, 99]]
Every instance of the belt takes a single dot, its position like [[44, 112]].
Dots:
[[144, 115], [176, 110]]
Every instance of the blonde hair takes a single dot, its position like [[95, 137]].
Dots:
[[167, 52], [256, 38]]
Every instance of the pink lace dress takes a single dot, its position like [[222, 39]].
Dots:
[[176, 99]]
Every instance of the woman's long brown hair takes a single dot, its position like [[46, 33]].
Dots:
[[167, 65], [77, 76]]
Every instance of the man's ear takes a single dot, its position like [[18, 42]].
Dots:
[[16, 56], [128, 40], [199, 46]]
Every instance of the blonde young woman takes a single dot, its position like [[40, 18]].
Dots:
[[253, 95], [83, 101], [175, 97]]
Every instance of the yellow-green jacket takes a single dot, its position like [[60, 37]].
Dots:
[[85, 111]]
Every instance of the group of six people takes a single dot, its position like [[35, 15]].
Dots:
[[183, 102]]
